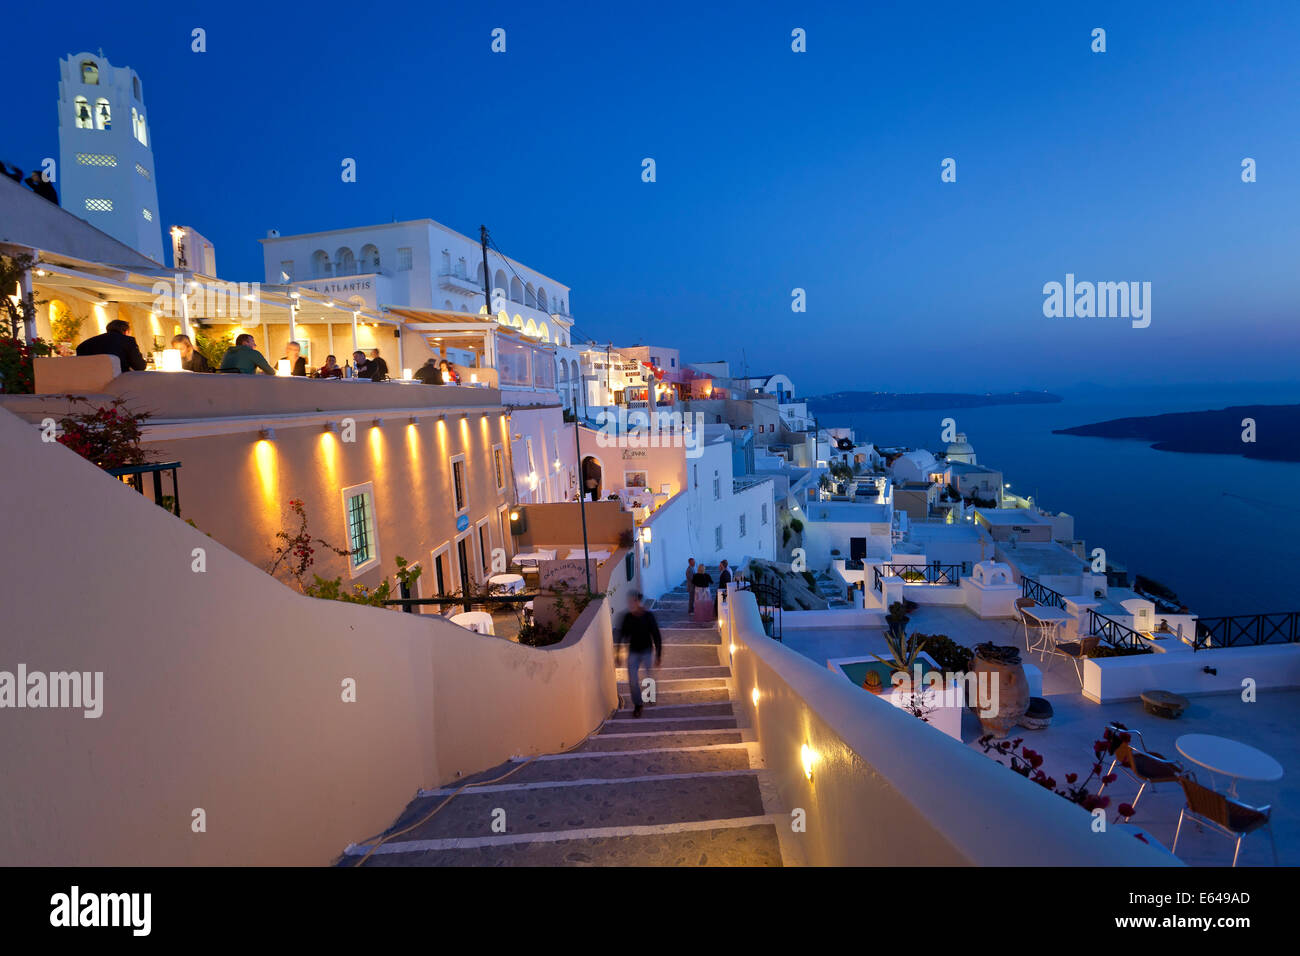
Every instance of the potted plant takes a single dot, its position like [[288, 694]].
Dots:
[[768, 621], [65, 328]]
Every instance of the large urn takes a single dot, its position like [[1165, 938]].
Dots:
[[1002, 692]]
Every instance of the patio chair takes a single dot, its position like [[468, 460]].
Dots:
[[1029, 624], [1143, 766], [1075, 651], [1222, 813]]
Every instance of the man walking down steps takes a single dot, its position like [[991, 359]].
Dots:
[[640, 632]]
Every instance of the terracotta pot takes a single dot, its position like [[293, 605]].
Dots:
[[1012, 694]]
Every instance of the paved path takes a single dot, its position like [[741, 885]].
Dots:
[[678, 786]]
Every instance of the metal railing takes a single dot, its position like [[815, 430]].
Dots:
[[936, 573], [133, 475], [1247, 630], [1041, 593], [768, 597], [1113, 632]]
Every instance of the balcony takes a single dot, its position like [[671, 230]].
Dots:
[[458, 283]]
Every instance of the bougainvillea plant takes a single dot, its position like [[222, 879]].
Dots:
[[16, 373], [108, 436], [296, 551], [1029, 764]]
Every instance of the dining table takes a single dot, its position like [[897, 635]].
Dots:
[[1052, 619], [478, 621], [509, 583], [1229, 758]]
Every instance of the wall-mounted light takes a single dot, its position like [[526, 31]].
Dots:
[[754, 696], [645, 535], [328, 427], [731, 649], [807, 756], [413, 420], [266, 434], [378, 423], [518, 522]]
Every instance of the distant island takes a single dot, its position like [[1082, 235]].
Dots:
[[921, 401], [1219, 432]]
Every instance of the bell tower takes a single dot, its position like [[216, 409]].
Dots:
[[106, 170]]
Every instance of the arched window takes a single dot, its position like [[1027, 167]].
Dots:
[[320, 264], [446, 262], [103, 115], [564, 370], [500, 287], [81, 111], [446, 304], [138, 127], [543, 332], [461, 269], [530, 296], [464, 307], [90, 72], [516, 290], [541, 299], [369, 258], [530, 328], [345, 263], [573, 369], [478, 274], [135, 86], [563, 310]]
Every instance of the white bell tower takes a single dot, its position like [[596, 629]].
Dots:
[[106, 171]]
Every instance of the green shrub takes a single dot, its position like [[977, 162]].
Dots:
[[811, 579], [947, 653], [1105, 650], [796, 525]]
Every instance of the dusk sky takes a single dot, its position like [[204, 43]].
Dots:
[[775, 169]]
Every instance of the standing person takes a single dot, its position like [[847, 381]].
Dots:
[[724, 578], [640, 632], [192, 360], [42, 186], [703, 599], [116, 339], [376, 368], [244, 357], [690, 586], [297, 364]]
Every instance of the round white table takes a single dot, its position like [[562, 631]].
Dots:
[[478, 621], [510, 583], [1231, 758]]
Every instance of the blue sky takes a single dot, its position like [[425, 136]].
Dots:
[[776, 170]]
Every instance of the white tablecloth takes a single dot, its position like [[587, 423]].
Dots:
[[479, 621], [535, 556], [510, 583], [576, 555]]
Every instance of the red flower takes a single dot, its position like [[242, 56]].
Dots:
[[1126, 810], [1071, 777]]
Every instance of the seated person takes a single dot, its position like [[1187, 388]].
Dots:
[[192, 360], [116, 340], [244, 357], [297, 364], [331, 368]]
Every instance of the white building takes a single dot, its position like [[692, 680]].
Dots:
[[106, 169], [422, 264]]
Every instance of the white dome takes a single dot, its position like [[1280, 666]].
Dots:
[[961, 450]]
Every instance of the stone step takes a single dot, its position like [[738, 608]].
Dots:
[[553, 807], [668, 697], [660, 711], [690, 635], [635, 761], [751, 843], [659, 740], [678, 672], [650, 725], [665, 682]]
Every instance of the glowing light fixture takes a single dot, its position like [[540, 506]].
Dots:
[[328, 427], [283, 368], [406, 374], [645, 534], [266, 434], [808, 757], [731, 649], [378, 423], [754, 696], [171, 360]]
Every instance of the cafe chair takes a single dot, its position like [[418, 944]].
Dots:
[[1143, 766], [1042, 630], [1074, 651], [1222, 813]]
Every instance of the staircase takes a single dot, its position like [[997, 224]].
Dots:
[[678, 786], [832, 589]]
